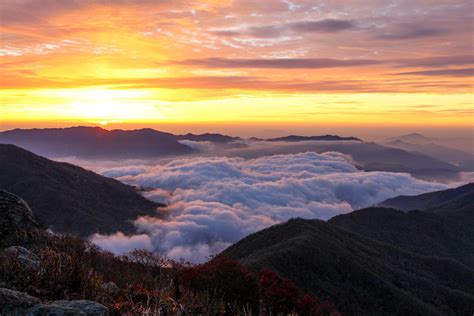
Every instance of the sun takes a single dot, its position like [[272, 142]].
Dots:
[[108, 105]]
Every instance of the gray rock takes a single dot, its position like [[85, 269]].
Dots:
[[111, 287], [17, 224], [25, 257], [91, 308], [53, 310], [14, 302]]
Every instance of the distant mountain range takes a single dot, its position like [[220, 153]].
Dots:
[[376, 261], [67, 198], [374, 157], [296, 138], [442, 149], [437, 151], [95, 142], [98, 143], [413, 138], [208, 137]]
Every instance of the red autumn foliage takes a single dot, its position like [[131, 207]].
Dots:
[[312, 306], [148, 284], [226, 279], [278, 295]]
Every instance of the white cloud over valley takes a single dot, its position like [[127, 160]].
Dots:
[[216, 201]]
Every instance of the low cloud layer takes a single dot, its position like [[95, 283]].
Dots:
[[216, 201]]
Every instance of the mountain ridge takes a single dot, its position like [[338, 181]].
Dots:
[[95, 142], [297, 138], [452, 200], [376, 260], [68, 198], [359, 274], [424, 233]]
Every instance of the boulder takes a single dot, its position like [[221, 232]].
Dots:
[[53, 310], [68, 308], [17, 303], [91, 308], [14, 302], [17, 224], [110, 287], [26, 258]]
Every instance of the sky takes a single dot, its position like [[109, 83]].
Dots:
[[266, 65]]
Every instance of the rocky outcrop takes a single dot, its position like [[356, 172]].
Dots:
[[17, 224], [111, 288], [53, 310], [90, 308], [63, 308], [15, 302], [21, 304], [26, 258]]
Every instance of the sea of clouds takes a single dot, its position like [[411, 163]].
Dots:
[[216, 201]]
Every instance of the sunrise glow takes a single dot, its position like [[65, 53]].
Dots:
[[142, 62]]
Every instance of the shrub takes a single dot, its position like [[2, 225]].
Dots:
[[149, 284]]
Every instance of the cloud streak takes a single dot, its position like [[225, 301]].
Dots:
[[320, 63], [411, 32], [216, 201], [293, 28], [465, 72], [280, 63]]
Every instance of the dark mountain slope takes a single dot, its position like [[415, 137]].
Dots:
[[419, 232], [361, 275], [95, 142], [451, 200], [68, 198]]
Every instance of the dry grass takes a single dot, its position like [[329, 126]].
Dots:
[[148, 284]]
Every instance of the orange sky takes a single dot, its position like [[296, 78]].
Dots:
[[144, 62]]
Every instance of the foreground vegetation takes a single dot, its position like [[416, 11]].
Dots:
[[142, 283]]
